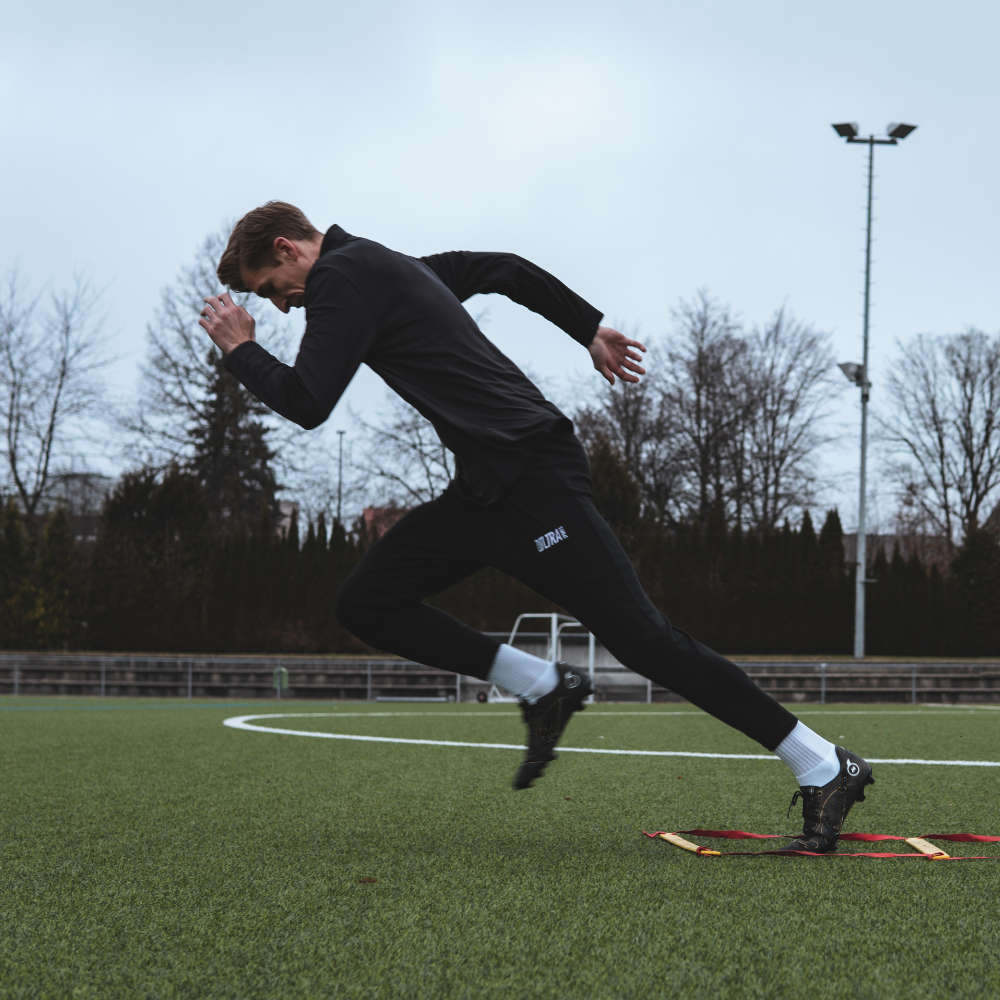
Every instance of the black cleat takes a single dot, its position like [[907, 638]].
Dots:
[[825, 809], [547, 719]]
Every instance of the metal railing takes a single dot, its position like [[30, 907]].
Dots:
[[372, 678]]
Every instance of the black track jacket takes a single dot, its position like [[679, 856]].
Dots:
[[402, 317]]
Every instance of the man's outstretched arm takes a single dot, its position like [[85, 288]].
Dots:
[[469, 273]]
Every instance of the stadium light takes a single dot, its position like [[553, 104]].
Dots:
[[858, 374], [854, 372], [847, 129]]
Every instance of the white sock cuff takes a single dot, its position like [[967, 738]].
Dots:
[[812, 758], [522, 674]]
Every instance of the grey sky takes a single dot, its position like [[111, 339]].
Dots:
[[639, 151]]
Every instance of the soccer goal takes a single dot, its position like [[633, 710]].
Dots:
[[557, 625]]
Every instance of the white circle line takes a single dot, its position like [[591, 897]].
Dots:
[[601, 713], [246, 723]]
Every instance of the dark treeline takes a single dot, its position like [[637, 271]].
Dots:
[[163, 576], [703, 469]]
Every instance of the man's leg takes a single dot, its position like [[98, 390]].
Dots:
[[562, 547], [431, 548], [382, 601]]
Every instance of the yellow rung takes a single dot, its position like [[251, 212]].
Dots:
[[926, 847], [679, 841]]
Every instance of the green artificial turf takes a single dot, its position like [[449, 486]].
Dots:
[[148, 851]]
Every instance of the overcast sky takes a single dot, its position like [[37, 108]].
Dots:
[[640, 151]]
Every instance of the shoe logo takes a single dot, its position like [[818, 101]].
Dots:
[[853, 769], [571, 681], [551, 538]]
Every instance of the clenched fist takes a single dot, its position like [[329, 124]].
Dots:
[[228, 324]]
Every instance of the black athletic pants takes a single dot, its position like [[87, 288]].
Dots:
[[557, 543]]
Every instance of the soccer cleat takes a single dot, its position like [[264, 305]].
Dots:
[[824, 809], [547, 718]]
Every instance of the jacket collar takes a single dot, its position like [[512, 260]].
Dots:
[[335, 237]]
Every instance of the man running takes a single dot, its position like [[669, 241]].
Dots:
[[521, 497]]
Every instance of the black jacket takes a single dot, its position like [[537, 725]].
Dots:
[[402, 317]]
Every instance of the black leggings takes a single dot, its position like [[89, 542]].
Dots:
[[558, 544]]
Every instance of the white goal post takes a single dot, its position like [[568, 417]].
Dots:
[[557, 624]]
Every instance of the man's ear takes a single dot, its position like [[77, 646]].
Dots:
[[284, 248]]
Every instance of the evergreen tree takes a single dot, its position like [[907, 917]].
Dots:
[[292, 541], [879, 637], [339, 542], [616, 493], [806, 609], [56, 579], [831, 545], [807, 538], [150, 584], [16, 592], [976, 572], [231, 455]]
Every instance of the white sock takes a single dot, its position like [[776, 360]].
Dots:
[[529, 677], [812, 759]]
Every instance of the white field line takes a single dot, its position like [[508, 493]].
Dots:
[[246, 723], [691, 713], [964, 708]]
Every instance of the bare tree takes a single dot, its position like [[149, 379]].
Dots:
[[634, 422], [786, 379], [404, 456], [945, 429], [704, 392], [50, 385], [179, 372], [178, 376]]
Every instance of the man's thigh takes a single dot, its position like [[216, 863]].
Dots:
[[560, 546], [425, 552]]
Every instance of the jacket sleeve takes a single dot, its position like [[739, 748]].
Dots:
[[339, 334], [468, 273]]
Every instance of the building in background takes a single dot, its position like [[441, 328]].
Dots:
[[378, 520], [932, 550]]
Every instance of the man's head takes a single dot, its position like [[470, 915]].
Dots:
[[270, 252]]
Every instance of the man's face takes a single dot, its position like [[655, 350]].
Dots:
[[283, 283]]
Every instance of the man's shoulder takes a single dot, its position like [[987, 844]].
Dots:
[[347, 260], [358, 253]]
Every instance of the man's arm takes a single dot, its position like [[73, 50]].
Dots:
[[468, 273], [339, 333]]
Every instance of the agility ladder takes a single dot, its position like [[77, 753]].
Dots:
[[925, 850]]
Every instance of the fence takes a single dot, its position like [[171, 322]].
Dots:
[[231, 677], [847, 681], [387, 679]]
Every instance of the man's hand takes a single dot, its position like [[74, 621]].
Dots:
[[228, 324], [614, 354]]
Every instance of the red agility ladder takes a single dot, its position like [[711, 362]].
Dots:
[[925, 849]]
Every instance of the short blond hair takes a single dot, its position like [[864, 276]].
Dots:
[[251, 244]]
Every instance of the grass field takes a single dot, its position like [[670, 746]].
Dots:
[[147, 850]]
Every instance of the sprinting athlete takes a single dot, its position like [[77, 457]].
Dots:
[[521, 497]]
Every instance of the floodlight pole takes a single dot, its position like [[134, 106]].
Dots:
[[340, 474], [860, 568], [849, 133]]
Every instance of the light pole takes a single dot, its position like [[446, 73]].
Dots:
[[340, 474], [858, 374]]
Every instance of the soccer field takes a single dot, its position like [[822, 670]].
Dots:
[[147, 849]]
